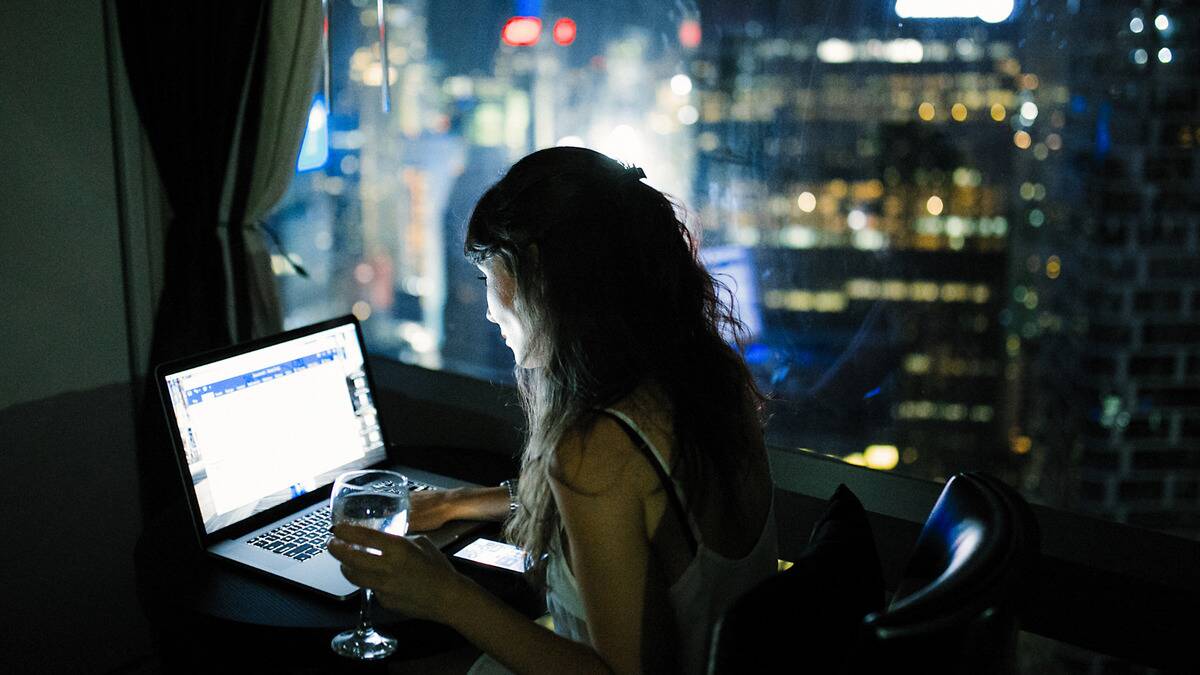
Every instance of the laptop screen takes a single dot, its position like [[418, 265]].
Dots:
[[269, 425]]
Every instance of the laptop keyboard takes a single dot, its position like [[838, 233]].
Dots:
[[301, 538], [307, 536]]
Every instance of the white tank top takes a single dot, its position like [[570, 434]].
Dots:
[[707, 587]]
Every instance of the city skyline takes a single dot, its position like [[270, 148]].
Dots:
[[897, 193]]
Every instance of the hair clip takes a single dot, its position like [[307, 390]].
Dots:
[[634, 173]]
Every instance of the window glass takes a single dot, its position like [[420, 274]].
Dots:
[[960, 242]]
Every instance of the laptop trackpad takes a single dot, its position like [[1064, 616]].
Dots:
[[324, 573]]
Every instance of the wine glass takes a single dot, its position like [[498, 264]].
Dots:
[[377, 500]]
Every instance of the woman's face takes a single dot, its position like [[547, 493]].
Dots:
[[501, 295]]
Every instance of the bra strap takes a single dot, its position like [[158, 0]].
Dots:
[[663, 478]]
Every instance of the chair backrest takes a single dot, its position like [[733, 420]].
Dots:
[[956, 608], [807, 617]]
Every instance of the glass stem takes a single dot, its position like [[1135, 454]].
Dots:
[[364, 614]]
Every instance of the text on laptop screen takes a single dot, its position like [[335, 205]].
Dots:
[[267, 426]]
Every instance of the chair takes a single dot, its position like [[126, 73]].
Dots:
[[956, 608], [954, 611], [807, 617]]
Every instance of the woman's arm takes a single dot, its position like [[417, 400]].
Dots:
[[602, 499], [433, 508], [520, 644], [627, 607], [630, 621]]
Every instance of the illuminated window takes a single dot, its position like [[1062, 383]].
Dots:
[[882, 177]]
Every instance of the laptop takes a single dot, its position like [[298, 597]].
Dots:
[[262, 429]]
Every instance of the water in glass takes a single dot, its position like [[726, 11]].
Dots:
[[377, 500]]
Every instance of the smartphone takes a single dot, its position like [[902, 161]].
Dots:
[[493, 554]]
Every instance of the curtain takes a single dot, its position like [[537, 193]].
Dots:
[[187, 64], [272, 129], [222, 91]]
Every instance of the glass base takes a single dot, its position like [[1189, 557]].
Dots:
[[367, 646]]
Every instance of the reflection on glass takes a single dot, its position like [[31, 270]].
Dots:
[[960, 243]]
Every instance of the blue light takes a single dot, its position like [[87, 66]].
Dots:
[[871, 394], [314, 149], [527, 8], [779, 375], [757, 353], [1103, 137], [733, 266]]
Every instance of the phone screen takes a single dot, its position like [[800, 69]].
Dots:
[[494, 553]]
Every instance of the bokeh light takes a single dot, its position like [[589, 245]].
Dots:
[[883, 457], [1053, 267], [681, 84]]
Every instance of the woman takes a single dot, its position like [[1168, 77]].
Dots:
[[644, 500]]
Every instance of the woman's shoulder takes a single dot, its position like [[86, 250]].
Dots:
[[599, 453], [648, 407]]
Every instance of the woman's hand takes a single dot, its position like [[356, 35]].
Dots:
[[410, 575]]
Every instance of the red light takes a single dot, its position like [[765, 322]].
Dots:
[[521, 31], [564, 31], [689, 33]]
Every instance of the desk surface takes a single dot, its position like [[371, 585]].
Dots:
[[181, 576], [192, 598]]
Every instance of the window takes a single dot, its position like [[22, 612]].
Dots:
[[966, 242]]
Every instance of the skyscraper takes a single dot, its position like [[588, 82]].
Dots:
[[870, 173], [1132, 128]]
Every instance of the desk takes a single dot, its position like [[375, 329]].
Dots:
[[210, 616]]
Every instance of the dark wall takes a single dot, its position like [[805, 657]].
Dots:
[[62, 315], [67, 477]]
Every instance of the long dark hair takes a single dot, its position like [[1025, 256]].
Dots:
[[607, 273]]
